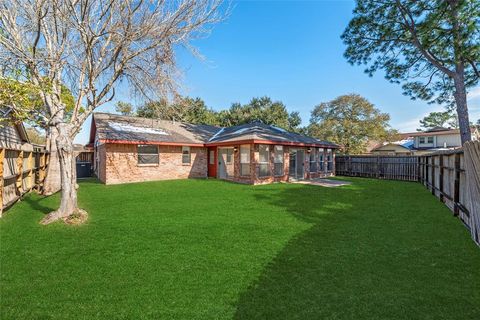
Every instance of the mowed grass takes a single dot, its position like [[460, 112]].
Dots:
[[206, 249]]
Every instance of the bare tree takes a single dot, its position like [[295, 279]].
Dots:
[[90, 47]]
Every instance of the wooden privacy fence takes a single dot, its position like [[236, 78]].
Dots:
[[448, 175], [21, 172], [381, 167], [452, 176]]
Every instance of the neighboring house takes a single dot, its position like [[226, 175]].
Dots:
[[13, 136], [402, 147], [131, 149], [422, 142], [440, 138], [15, 152]]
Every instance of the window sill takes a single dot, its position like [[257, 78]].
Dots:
[[187, 164], [147, 165]]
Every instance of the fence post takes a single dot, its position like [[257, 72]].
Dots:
[[2, 157], [427, 169], [424, 170], [19, 180], [41, 171], [350, 166], [30, 171], [378, 167], [456, 186], [418, 169], [440, 181], [433, 175], [424, 166]]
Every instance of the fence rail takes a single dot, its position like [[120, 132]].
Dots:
[[444, 174], [20, 172]]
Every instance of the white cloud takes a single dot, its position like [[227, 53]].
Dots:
[[474, 93], [473, 105], [409, 125]]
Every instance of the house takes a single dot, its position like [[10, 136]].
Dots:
[[440, 138], [132, 149], [16, 157], [13, 136], [402, 147], [422, 142]]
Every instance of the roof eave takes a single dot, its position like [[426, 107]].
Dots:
[[277, 142], [160, 143]]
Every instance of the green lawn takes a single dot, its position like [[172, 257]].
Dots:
[[206, 249]]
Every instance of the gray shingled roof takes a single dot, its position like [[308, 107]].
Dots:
[[125, 128], [260, 131]]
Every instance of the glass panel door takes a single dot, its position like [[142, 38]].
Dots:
[[292, 168], [300, 164]]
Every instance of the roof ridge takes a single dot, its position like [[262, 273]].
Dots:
[[155, 119]]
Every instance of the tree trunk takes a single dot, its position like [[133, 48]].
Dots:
[[462, 108], [66, 157], [51, 184], [460, 93]]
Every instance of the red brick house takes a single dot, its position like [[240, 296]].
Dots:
[[132, 149]]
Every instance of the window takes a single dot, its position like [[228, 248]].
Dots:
[[422, 139], [264, 154], [278, 160], [229, 155], [147, 154], [329, 160], [186, 156], [429, 139], [313, 160], [321, 163], [245, 160], [212, 157]]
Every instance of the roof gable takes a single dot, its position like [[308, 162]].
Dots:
[[17, 126]]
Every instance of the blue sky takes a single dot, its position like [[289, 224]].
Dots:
[[290, 51]]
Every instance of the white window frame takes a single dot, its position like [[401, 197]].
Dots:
[[428, 140], [321, 160], [185, 155], [313, 156], [229, 158], [263, 163], [329, 160], [141, 154], [245, 149], [278, 148]]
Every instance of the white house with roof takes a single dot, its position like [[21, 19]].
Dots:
[[421, 142]]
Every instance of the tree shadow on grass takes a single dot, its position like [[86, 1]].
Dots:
[[47, 204], [361, 259], [37, 203]]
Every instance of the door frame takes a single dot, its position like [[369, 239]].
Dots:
[[302, 164], [212, 167], [295, 175]]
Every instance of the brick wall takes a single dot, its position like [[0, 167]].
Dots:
[[118, 164], [121, 164]]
